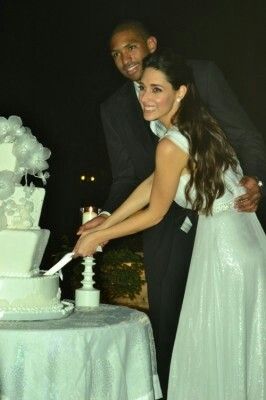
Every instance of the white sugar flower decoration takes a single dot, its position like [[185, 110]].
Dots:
[[31, 155], [3, 128], [10, 207], [43, 176], [7, 184], [15, 126], [37, 160], [24, 145], [3, 220], [11, 128]]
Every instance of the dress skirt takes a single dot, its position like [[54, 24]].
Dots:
[[220, 345]]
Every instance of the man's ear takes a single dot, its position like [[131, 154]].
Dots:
[[152, 44]]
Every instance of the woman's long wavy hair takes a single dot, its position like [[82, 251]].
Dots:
[[210, 154]]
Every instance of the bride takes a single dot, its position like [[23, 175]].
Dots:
[[220, 346]]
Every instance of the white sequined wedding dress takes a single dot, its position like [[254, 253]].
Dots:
[[220, 345]]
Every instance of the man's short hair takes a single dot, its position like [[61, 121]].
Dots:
[[133, 25]]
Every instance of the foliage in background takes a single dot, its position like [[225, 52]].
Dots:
[[120, 274]]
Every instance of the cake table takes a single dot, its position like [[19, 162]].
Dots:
[[105, 353]]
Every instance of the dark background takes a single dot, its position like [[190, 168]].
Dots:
[[55, 71]]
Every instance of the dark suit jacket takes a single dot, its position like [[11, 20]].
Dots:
[[131, 144]]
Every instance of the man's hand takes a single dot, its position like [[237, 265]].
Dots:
[[97, 221], [94, 223], [249, 201]]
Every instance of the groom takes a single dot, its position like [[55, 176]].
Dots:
[[131, 146]]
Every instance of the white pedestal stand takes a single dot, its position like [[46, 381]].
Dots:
[[87, 295]]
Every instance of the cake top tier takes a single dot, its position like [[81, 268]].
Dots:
[[20, 155], [20, 151]]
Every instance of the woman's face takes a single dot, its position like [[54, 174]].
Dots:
[[158, 98]]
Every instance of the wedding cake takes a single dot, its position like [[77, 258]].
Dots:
[[25, 293]]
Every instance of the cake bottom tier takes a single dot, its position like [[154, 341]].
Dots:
[[40, 293]]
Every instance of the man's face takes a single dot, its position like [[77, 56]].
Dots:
[[128, 49]]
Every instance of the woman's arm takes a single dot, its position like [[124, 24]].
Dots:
[[138, 199], [170, 161], [135, 202]]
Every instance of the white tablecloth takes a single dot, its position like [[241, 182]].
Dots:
[[106, 353]]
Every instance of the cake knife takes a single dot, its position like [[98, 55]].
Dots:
[[60, 264]]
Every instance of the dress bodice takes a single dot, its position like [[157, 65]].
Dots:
[[231, 179]]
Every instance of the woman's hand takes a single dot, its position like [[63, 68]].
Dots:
[[86, 245]]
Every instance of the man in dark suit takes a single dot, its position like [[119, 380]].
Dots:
[[131, 146]]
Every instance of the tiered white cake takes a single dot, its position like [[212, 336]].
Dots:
[[25, 293]]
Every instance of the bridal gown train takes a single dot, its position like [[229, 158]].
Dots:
[[220, 346]]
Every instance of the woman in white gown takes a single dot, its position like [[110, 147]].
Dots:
[[220, 346]]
